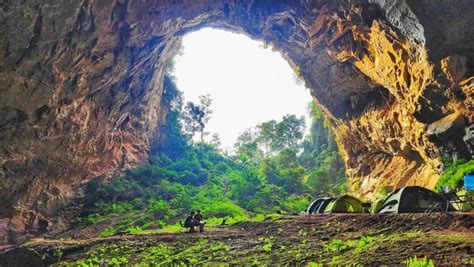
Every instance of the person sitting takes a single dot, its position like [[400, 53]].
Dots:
[[198, 219], [190, 223]]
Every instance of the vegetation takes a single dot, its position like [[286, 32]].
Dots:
[[274, 242], [454, 173], [419, 262], [275, 169]]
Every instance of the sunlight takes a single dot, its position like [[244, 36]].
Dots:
[[248, 83]]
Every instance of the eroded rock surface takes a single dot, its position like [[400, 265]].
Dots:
[[81, 84]]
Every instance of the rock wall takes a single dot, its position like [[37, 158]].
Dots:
[[80, 87]]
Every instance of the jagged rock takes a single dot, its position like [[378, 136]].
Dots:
[[469, 138], [81, 84], [448, 134], [446, 127]]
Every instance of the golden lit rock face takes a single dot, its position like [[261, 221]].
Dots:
[[81, 84], [399, 152]]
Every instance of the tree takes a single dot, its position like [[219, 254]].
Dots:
[[172, 142], [290, 132], [247, 147], [267, 136], [285, 171], [196, 116], [275, 136], [216, 140], [320, 156]]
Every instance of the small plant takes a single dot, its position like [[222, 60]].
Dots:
[[255, 262], [268, 246], [335, 245], [117, 261], [134, 230], [418, 262], [335, 260], [110, 231], [58, 253], [303, 233], [89, 262], [359, 245]]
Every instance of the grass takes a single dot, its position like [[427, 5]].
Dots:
[[211, 224], [418, 262], [143, 223]]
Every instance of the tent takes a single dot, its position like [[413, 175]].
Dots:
[[413, 199], [466, 201], [318, 205], [344, 204], [376, 205]]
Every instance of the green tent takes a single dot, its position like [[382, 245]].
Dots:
[[344, 204], [467, 198], [318, 205], [376, 205], [413, 199]]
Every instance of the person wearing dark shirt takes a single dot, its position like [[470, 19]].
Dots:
[[190, 222], [198, 219]]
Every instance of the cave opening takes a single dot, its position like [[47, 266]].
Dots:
[[273, 147], [248, 82]]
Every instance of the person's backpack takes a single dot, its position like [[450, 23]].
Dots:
[[188, 222]]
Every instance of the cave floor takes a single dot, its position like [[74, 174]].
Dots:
[[339, 239]]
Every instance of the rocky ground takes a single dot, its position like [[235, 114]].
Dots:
[[447, 239]]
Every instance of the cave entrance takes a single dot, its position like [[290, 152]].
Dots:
[[269, 131], [248, 82]]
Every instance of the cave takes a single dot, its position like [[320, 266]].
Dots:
[[81, 85]]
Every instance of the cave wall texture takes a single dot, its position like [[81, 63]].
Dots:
[[81, 84]]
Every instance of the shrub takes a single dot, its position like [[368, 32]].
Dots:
[[454, 174]]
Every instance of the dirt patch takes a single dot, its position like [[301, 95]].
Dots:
[[328, 239]]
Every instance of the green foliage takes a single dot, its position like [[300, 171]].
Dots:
[[454, 173], [271, 137], [110, 231], [117, 261], [284, 171], [359, 245], [173, 141], [107, 255], [268, 243], [418, 262], [320, 157], [196, 116], [58, 253], [275, 169]]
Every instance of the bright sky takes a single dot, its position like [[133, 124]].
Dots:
[[248, 84]]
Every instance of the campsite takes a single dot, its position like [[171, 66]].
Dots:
[[236, 133], [331, 231], [329, 239]]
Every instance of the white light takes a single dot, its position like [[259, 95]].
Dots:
[[248, 84]]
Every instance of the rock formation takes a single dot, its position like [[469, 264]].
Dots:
[[81, 84]]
